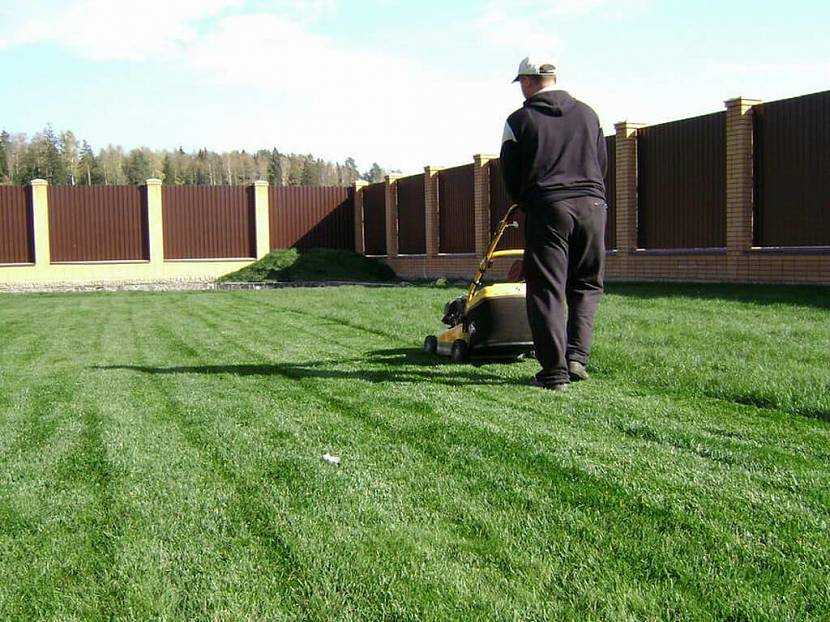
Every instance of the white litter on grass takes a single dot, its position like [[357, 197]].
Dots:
[[327, 457]]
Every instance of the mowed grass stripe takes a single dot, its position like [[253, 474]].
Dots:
[[65, 509], [252, 527]]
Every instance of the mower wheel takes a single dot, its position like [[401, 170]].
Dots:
[[459, 351], [431, 344]]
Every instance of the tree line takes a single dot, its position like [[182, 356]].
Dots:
[[64, 160]]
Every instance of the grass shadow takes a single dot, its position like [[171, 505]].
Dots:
[[399, 365], [817, 296]]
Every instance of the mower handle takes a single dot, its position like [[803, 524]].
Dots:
[[491, 252]]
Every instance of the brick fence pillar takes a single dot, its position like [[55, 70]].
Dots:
[[481, 200], [40, 222], [739, 182], [431, 209], [391, 200], [625, 201], [359, 242]]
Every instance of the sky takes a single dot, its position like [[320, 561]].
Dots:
[[404, 84]]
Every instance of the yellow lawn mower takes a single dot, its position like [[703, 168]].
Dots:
[[489, 320]]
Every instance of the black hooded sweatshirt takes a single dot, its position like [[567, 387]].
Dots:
[[553, 149]]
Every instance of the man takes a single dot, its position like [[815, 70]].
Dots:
[[553, 161]]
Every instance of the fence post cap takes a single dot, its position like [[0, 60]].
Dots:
[[630, 125], [260, 183], [39, 182], [734, 102], [153, 182]]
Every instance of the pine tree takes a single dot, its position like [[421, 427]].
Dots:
[[5, 173], [137, 167], [88, 166], [295, 171], [374, 174], [311, 172], [350, 172], [169, 173], [69, 156], [275, 168]]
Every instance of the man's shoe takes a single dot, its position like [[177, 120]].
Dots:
[[562, 386], [577, 371]]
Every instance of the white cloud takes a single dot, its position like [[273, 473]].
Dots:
[[107, 30]]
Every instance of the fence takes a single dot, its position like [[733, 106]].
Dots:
[[610, 193], [456, 228], [792, 171], [498, 206], [204, 222], [681, 206], [303, 217], [411, 215], [149, 233], [680, 200], [98, 223], [16, 234], [374, 218], [682, 183]]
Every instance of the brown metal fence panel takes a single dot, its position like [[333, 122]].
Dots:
[[208, 222], [456, 210], [412, 238], [792, 171], [681, 170], [98, 223], [610, 192], [499, 203], [374, 218], [16, 232], [306, 217]]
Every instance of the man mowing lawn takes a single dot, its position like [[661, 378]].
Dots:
[[553, 160]]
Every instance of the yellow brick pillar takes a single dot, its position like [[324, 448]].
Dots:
[[40, 221], [391, 200], [739, 171], [359, 239], [155, 227], [625, 201], [481, 201], [262, 219], [431, 209]]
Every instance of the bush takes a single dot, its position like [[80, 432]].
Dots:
[[318, 264]]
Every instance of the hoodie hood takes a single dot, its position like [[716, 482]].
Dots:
[[552, 103]]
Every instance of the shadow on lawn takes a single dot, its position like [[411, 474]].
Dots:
[[392, 365], [817, 296]]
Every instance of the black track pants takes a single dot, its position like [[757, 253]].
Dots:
[[564, 261]]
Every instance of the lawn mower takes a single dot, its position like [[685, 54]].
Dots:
[[489, 320]]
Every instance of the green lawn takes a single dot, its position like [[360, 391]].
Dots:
[[160, 457]]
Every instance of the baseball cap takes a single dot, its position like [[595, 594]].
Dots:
[[536, 67]]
